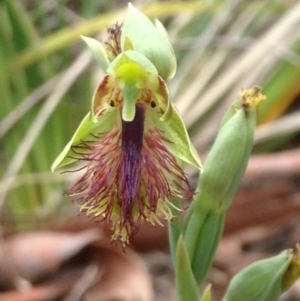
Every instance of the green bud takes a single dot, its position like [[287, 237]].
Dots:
[[265, 279], [226, 162], [248, 98], [223, 172]]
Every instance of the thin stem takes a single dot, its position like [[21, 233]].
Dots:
[[174, 230]]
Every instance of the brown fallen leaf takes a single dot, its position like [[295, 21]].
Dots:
[[51, 290], [34, 255], [119, 274], [124, 276]]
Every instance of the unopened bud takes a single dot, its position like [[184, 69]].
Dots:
[[228, 158], [265, 279]]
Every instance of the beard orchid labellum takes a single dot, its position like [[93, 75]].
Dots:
[[133, 141]]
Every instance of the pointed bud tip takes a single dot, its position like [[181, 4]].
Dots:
[[292, 274], [251, 98]]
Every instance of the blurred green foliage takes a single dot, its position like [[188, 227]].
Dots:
[[47, 80]]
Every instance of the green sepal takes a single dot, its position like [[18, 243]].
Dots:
[[207, 294], [261, 281], [176, 132], [149, 41], [162, 30], [130, 93], [88, 127], [187, 287], [98, 51]]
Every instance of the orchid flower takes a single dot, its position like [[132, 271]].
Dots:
[[133, 141]]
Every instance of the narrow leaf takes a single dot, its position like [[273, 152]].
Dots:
[[187, 287]]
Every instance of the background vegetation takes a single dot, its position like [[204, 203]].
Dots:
[[47, 79]]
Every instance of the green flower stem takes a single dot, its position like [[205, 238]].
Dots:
[[174, 230]]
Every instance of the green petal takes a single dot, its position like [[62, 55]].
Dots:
[[88, 127], [98, 52], [149, 41], [181, 145]]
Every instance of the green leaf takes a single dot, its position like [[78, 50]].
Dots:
[[187, 287], [98, 52], [208, 238]]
